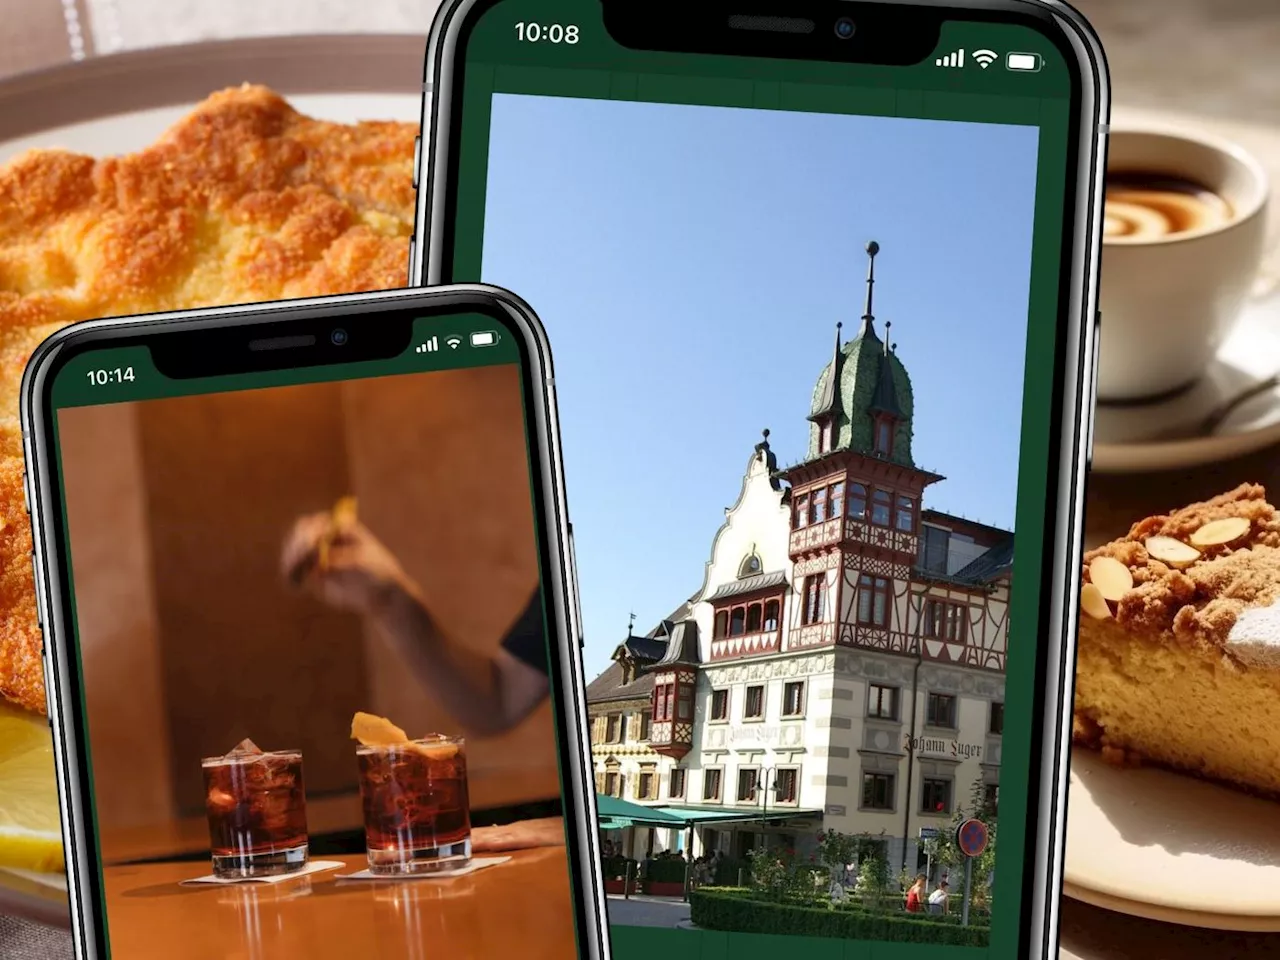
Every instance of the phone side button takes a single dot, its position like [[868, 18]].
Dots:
[[413, 248], [35, 576], [417, 161], [26, 492]]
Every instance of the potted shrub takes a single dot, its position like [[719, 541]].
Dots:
[[665, 877], [617, 871]]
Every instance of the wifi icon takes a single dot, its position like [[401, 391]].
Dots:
[[985, 58], [453, 342]]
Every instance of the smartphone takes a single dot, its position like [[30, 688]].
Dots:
[[302, 572], [871, 231]]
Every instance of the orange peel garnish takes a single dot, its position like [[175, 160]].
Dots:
[[373, 731], [341, 518]]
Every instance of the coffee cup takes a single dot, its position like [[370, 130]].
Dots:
[[1182, 244]]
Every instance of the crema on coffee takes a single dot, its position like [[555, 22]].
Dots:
[[1143, 206]]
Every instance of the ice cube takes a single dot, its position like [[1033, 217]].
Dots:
[[245, 748]]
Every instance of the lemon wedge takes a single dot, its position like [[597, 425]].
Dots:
[[30, 824]]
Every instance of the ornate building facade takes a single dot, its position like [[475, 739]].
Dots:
[[842, 665]]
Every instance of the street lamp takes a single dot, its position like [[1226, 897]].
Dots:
[[765, 774]]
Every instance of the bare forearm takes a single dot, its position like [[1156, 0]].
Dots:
[[463, 681]]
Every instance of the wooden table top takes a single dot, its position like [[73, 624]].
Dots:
[[519, 908]]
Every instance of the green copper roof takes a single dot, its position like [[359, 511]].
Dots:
[[864, 378]]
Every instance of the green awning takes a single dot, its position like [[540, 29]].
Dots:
[[613, 823], [612, 808], [694, 816]]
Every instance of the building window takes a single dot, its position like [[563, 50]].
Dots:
[[857, 501], [818, 506], [719, 704], [881, 507], [711, 784], [610, 784], [935, 547], [991, 798], [877, 791], [836, 503], [786, 785], [824, 442], [750, 567], [905, 517], [935, 796], [753, 617], [802, 511], [646, 722], [675, 789], [771, 609], [721, 627], [946, 621], [684, 704], [996, 724], [737, 621], [647, 785], [815, 598], [612, 727], [883, 702], [873, 601], [747, 779], [754, 708], [884, 437], [793, 699], [941, 711]]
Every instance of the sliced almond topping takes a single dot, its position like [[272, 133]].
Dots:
[[1112, 578], [1173, 552], [1218, 532], [1093, 602]]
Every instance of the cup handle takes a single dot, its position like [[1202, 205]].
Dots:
[[1268, 279]]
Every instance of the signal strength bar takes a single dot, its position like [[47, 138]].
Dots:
[[431, 346], [953, 59]]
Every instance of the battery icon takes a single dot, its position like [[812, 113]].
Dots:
[[485, 338], [1030, 62]]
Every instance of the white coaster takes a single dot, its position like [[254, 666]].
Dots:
[[314, 866], [477, 863]]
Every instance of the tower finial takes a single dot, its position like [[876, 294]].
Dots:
[[872, 249], [765, 431], [887, 325], [631, 625]]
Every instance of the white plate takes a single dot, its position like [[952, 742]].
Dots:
[[122, 103], [1127, 438], [1167, 847]]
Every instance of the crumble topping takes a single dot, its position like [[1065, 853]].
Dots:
[[1198, 602]]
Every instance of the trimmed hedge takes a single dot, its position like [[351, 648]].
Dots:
[[731, 910]]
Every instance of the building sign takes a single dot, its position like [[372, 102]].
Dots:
[[937, 747], [754, 733]]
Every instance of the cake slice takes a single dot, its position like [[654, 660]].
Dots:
[[1179, 650]]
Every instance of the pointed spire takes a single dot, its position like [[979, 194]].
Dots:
[[868, 317], [828, 402], [888, 324]]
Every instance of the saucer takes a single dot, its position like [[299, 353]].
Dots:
[[1163, 434]]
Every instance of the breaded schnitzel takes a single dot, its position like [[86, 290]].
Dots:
[[244, 200]]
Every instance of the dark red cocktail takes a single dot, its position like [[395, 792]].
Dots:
[[417, 818], [257, 813]]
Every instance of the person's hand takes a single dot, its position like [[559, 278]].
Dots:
[[521, 835], [345, 566]]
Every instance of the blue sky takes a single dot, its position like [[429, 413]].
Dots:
[[690, 264]]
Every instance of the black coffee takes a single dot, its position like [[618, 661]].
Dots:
[[1142, 206]]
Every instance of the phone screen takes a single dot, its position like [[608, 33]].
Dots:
[[311, 643], [810, 323]]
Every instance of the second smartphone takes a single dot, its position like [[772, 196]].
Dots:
[[310, 635], [871, 228]]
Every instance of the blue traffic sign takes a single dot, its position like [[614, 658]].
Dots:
[[971, 837]]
